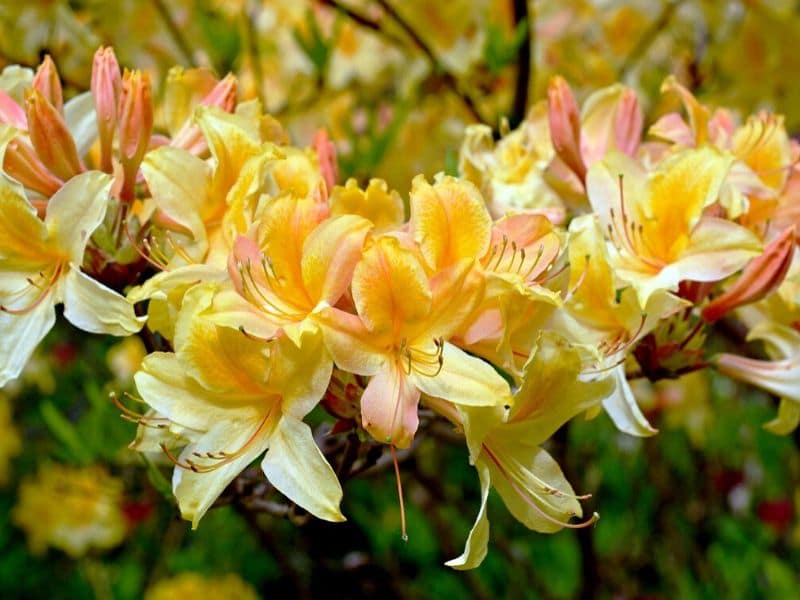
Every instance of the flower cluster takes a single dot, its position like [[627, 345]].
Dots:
[[571, 255]]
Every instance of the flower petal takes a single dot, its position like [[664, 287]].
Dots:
[[93, 307], [389, 406], [297, 469], [476, 547]]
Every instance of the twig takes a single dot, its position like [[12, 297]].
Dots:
[[525, 68], [174, 31], [362, 20], [648, 37], [448, 77]]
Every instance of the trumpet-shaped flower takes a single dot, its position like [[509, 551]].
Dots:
[[400, 338], [605, 313], [40, 266], [656, 225], [234, 398], [504, 445]]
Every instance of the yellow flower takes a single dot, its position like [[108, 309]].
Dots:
[[40, 267], [72, 509], [195, 585], [656, 224], [233, 398], [400, 338], [504, 444]]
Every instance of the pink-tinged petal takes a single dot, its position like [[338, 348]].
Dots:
[[780, 377], [673, 128], [12, 113], [353, 347], [611, 120], [330, 255], [244, 251], [717, 248], [698, 114], [389, 406]]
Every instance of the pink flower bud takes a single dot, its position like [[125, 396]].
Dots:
[[135, 125], [565, 125], [50, 136], [760, 277], [222, 95], [106, 85], [326, 154], [48, 83], [628, 123]]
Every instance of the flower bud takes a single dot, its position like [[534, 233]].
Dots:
[[628, 123], [326, 155], [135, 125], [760, 277], [565, 125], [48, 83], [50, 136], [106, 84], [222, 95]]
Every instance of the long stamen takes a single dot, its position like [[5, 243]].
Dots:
[[404, 533], [145, 255], [43, 293], [532, 503], [222, 457]]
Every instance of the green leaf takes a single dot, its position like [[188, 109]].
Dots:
[[65, 433]]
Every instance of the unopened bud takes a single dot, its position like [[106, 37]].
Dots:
[[222, 95], [106, 86], [628, 123], [50, 136], [760, 277], [48, 83], [565, 125], [326, 155], [135, 125]]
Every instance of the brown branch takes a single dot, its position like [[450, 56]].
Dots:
[[449, 78], [648, 37], [523, 13], [174, 31]]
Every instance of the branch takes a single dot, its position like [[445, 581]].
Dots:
[[523, 13], [175, 31], [449, 78], [648, 37]]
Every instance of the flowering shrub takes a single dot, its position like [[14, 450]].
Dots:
[[580, 250]]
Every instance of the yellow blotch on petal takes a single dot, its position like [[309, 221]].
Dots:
[[390, 288]]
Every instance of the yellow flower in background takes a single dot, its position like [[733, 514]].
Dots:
[[10, 440], [194, 585], [125, 357], [72, 509]]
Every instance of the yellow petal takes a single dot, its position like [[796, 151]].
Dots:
[[382, 207], [23, 236], [93, 307], [297, 469], [449, 220], [390, 288], [476, 547]]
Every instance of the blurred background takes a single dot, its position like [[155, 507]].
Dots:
[[709, 507]]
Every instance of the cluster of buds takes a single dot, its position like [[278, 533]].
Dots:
[[506, 300]]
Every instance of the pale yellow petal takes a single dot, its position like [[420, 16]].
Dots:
[[93, 307]]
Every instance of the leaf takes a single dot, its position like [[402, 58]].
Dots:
[[65, 433]]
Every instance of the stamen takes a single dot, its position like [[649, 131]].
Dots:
[[139, 251], [178, 249], [404, 534], [43, 293]]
